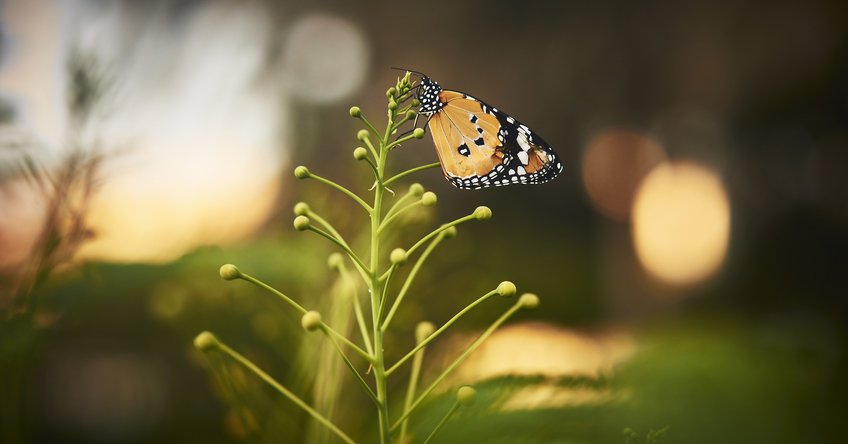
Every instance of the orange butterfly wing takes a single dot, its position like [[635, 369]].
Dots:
[[479, 146], [465, 148]]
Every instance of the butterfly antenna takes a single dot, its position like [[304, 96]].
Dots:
[[410, 70]]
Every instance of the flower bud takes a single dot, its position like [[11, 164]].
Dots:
[[301, 208], [506, 289], [398, 256], [415, 102], [410, 114], [429, 199], [355, 111], [392, 91], [466, 395], [423, 330], [362, 135], [360, 153], [418, 133], [301, 223], [529, 300], [335, 261], [482, 213], [416, 189], [449, 233], [229, 272], [206, 341], [301, 172], [392, 105], [311, 321]]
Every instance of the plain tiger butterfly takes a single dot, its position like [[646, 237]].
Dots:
[[478, 145]]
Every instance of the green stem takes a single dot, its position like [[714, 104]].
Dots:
[[386, 282], [344, 190], [343, 246], [399, 202], [400, 141], [350, 366], [327, 226], [285, 392], [369, 125], [389, 219], [414, 374], [410, 171], [441, 329], [409, 278], [302, 310], [474, 345], [441, 423], [437, 231], [376, 294], [357, 308]]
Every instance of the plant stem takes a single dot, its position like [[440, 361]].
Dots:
[[408, 282], [447, 416], [459, 360], [410, 171], [350, 366], [357, 308], [292, 397], [302, 310], [441, 329], [410, 389], [376, 293], [342, 189]]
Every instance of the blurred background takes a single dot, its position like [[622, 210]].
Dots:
[[692, 260]]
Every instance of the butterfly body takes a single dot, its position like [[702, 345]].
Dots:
[[479, 146]]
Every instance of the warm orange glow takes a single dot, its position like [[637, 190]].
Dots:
[[21, 221], [681, 223], [132, 225], [535, 348], [614, 163]]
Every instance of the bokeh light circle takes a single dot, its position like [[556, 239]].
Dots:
[[326, 58], [614, 163], [681, 223]]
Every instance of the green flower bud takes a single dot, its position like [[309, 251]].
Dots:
[[335, 261], [362, 135], [392, 91], [429, 199], [301, 223], [229, 272], [506, 289], [529, 300], [301, 208], [360, 153], [450, 233], [410, 114], [392, 105], [206, 341], [466, 395], [416, 189], [398, 256], [418, 133], [415, 102], [482, 213], [311, 321], [301, 172], [423, 330], [355, 111]]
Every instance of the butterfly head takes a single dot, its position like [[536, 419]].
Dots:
[[428, 95]]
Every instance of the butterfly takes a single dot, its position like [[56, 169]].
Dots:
[[480, 146]]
